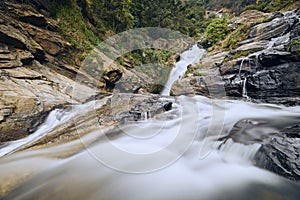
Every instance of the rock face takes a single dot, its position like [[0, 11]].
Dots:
[[271, 68], [32, 81]]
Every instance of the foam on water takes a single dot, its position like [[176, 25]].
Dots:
[[99, 171]]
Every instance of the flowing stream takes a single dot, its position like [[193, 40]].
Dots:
[[177, 154], [165, 157]]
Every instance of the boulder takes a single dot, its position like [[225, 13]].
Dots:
[[280, 153], [279, 141]]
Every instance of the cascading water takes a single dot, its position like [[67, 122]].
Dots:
[[222, 170], [245, 93], [243, 81], [191, 56], [178, 154]]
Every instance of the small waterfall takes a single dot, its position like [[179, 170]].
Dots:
[[244, 92], [191, 56], [271, 43], [145, 116], [243, 81], [55, 118], [282, 40], [241, 66], [236, 152]]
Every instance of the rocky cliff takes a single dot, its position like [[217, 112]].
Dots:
[[264, 66], [34, 76], [40, 70], [270, 68]]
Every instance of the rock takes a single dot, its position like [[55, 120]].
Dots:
[[182, 87], [250, 17], [11, 36], [280, 153], [251, 47], [273, 58], [34, 19], [279, 140], [17, 58], [270, 70], [265, 31], [51, 42], [295, 32], [213, 59], [281, 81]]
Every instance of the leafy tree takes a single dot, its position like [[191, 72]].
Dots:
[[216, 31]]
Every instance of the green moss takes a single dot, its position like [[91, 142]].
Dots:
[[198, 74], [295, 42], [237, 55], [241, 54]]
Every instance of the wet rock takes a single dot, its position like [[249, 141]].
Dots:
[[282, 80], [273, 58], [126, 108], [279, 140], [270, 70], [280, 153]]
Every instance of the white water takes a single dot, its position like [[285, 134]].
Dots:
[[191, 56], [172, 159], [56, 118], [244, 92]]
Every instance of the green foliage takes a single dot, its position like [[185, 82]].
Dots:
[[233, 5], [144, 56], [75, 29], [295, 44], [241, 54], [231, 41], [270, 5], [186, 17], [216, 31]]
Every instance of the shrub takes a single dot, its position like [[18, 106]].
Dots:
[[215, 32]]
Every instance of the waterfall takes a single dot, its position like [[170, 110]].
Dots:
[[191, 56], [145, 116], [55, 119], [244, 92], [241, 66]]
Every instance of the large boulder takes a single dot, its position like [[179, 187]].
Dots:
[[279, 141]]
